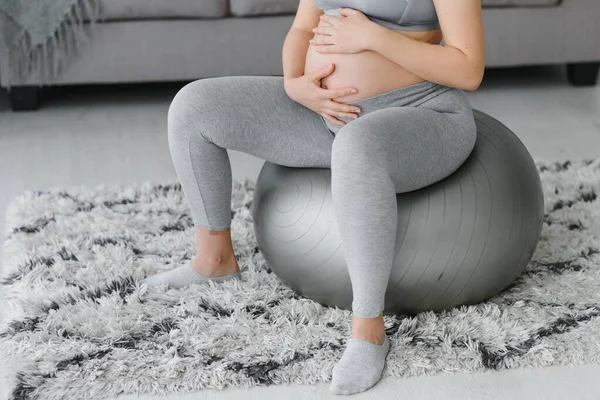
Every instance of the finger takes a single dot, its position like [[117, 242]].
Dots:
[[333, 93], [323, 30], [328, 49], [321, 40], [334, 121], [334, 105], [346, 12], [341, 114], [330, 19], [321, 73]]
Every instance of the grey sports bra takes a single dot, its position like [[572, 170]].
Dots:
[[412, 15]]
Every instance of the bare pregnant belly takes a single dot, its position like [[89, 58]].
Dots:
[[369, 72]]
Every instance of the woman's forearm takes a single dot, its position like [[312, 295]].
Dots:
[[294, 52], [440, 64]]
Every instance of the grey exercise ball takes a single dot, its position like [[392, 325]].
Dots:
[[460, 241]]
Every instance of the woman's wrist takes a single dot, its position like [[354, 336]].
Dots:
[[286, 84], [376, 35], [286, 81]]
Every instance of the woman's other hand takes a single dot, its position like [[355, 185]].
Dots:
[[307, 91], [351, 32]]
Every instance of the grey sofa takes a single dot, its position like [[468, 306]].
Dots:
[[183, 40]]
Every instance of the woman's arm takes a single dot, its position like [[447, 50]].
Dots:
[[459, 63], [296, 42], [305, 88]]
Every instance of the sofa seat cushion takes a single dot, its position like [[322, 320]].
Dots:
[[519, 3], [157, 9], [246, 8]]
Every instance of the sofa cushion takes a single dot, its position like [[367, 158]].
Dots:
[[519, 3], [153, 9], [245, 8]]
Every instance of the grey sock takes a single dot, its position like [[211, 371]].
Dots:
[[360, 367], [184, 275]]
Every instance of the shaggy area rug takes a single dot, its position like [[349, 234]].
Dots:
[[79, 326]]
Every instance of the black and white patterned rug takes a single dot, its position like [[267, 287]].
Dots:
[[80, 327]]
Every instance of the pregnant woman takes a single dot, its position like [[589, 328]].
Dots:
[[368, 91]]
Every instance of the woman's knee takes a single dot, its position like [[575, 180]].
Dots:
[[355, 149], [189, 100], [189, 108]]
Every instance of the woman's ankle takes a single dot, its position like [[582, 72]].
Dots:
[[215, 255], [219, 265], [370, 329]]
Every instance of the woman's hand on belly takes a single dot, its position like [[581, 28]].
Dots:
[[368, 71], [350, 33], [307, 91]]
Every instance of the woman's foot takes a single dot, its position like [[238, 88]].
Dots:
[[189, 274], [215, 262], [363, 361]]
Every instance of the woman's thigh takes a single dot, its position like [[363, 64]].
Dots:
[[254, 115], [417, 146]]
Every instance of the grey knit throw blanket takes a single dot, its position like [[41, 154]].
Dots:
[[42, 35]]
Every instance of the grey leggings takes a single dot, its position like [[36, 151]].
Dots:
[[402, 140]]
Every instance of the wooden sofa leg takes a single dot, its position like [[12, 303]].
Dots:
[[583, 74], [24, 98]]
